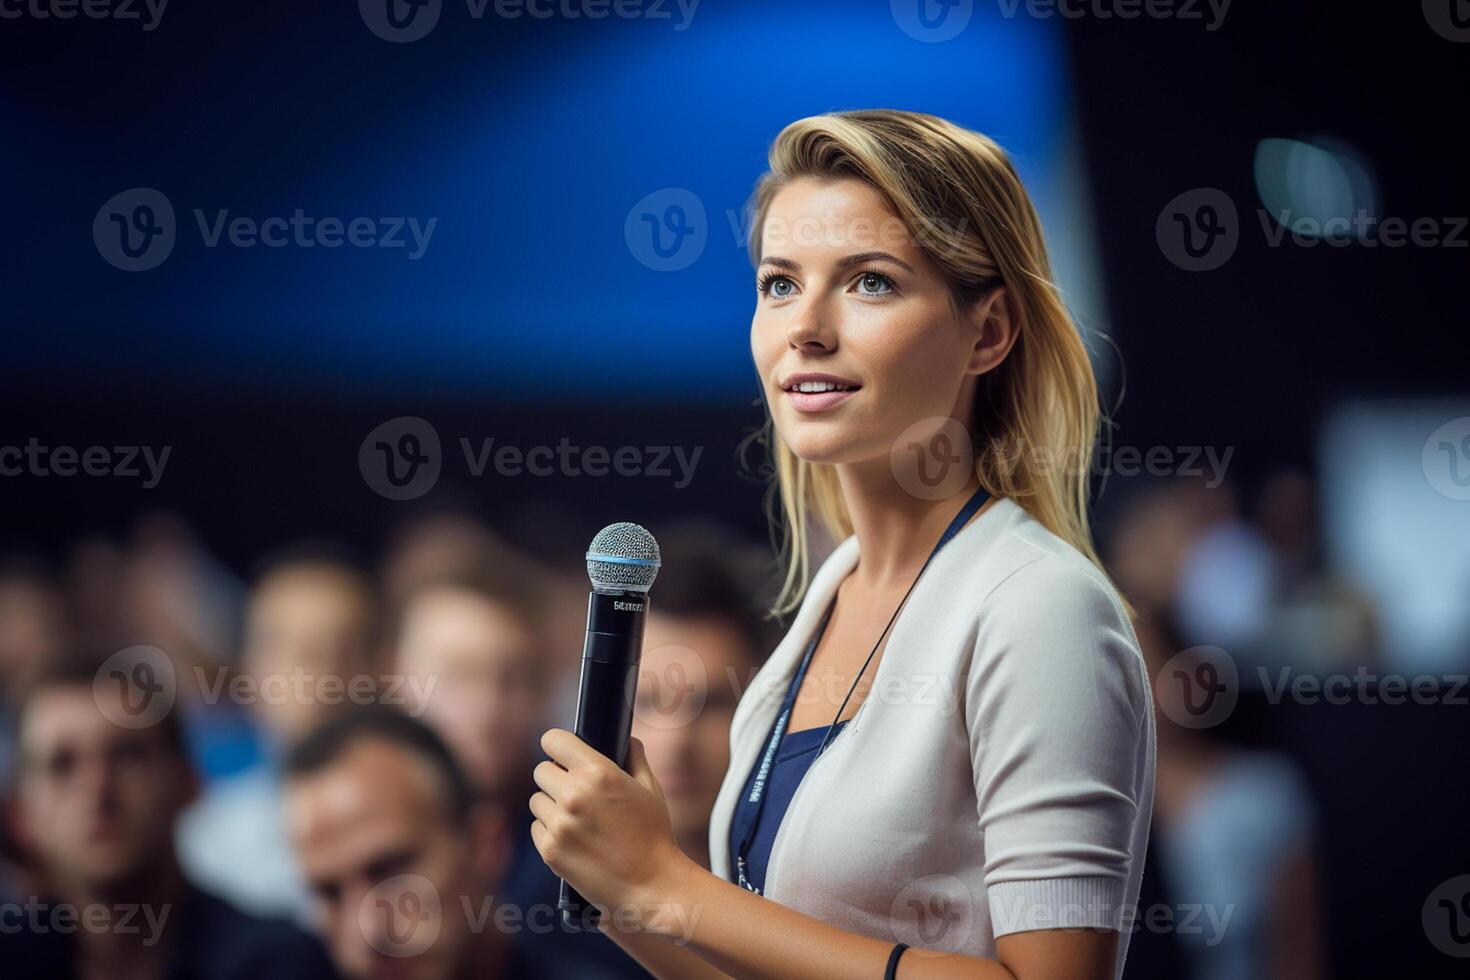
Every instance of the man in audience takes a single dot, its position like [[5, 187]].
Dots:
[[705, 638], [310, 622], [403, 857], [469, 639], [99, 786]]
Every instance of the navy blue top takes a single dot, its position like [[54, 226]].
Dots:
[[795, 754], [780, 768]]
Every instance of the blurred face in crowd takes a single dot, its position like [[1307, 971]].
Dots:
[[314, 619], [30, 625], [480, 658], [390, 864], [96, 802], [691, 674]]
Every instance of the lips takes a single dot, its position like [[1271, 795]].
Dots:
[[818, 392]]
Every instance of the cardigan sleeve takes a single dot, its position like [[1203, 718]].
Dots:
[[1058, 711]]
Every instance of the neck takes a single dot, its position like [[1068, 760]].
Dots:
[[896, 530], [155, 897]]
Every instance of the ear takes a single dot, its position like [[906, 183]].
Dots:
[[996, 328]]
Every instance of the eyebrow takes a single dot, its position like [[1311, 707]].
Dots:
[[842, 263]]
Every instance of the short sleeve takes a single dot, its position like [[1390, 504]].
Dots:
[[1058, 712]]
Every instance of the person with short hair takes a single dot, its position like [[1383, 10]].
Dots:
[[98, 789]]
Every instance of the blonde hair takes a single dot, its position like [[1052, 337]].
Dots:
[[958, 195]]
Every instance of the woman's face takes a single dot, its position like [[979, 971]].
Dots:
[[849, 303]]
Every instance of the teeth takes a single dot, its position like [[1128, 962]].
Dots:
[[811, 387]]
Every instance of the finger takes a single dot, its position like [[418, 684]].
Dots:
[[571, 751], [544, 807], [552, 778], [639, 768], [539, 836]]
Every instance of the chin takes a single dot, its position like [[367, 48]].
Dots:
[[825, 443]]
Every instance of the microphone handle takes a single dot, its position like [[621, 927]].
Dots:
[[608, 686]]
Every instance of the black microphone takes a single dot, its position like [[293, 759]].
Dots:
[[622, 562]]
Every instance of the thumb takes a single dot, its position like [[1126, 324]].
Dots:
[[639, 768]]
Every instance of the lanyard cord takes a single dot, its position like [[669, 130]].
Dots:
[[757, 794], [960, 520]]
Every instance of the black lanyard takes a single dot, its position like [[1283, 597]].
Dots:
[[756, 798]]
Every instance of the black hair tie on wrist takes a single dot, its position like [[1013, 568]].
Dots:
[[892, 970]]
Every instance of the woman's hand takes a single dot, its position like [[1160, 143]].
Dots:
[[605, 830]]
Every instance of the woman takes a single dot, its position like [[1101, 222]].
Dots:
[[987, 815]]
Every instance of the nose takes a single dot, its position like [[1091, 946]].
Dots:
[[810, 331]]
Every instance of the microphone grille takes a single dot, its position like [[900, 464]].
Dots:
[[623, 557]]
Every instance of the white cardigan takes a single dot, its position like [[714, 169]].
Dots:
[[999, 776]]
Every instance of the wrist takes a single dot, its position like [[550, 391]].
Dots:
[[665, 904]]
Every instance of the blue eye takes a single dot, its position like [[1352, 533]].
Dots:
[[771, 284], [874, 284]]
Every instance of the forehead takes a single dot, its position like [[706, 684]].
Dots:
[[373, 798], [64, 715], [810, 218]]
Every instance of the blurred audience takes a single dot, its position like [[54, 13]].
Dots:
[[310, 629], [471, 640], [705, 638], [1235, 830], [404, 858], [94, 807]]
